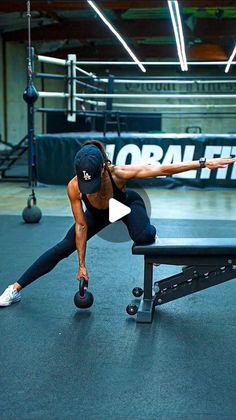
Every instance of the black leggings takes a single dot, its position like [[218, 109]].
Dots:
[[137, 222]]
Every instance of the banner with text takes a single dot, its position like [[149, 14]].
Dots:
[[139, 148], [167, 150]]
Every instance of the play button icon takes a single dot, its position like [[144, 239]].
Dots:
[[117, 210]]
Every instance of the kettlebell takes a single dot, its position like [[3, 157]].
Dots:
[[31, 213], [83, 299]]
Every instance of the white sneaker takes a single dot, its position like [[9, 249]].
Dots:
[[9, 296]]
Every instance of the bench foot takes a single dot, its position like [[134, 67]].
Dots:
[[145, 311]]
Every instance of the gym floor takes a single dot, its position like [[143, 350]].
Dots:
[[58, 362]]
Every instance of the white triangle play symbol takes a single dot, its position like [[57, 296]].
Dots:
[[117, 210]]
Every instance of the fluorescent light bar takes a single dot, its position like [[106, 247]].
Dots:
[[176, 35], [91, 3], [181, 35], [230, 60], [178, 31]]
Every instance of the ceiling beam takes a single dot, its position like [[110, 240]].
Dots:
[[94, 29], [88, 29], [116, 52], [7, 6], [206, 52]]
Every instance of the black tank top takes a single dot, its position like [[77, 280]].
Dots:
[[104, 213]]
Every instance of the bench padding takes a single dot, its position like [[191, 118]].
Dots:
[[188, 247]]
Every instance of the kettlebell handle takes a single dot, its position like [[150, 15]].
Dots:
[[83, 285], [83, 298], [31, 200]]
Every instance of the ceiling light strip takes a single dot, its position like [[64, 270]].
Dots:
[[176, 33], [119, 37], [181, 36], [230, 60]]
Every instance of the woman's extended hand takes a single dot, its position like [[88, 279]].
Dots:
[[82, 273], [219, 162]]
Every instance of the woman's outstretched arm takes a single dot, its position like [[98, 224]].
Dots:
[[148, 171]]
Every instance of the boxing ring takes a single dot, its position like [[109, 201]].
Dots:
[[110, 111], [98, 93]]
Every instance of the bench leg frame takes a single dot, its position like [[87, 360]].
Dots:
[[192, 279], [147, 307]]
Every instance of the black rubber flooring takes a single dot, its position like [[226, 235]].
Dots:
[[58, 362]]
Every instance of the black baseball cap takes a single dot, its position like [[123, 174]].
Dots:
[[88, 165]]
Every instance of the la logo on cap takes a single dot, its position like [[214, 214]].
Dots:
[[87, 177], [117, 210]]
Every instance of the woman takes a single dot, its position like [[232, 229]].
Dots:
[[96, 181]]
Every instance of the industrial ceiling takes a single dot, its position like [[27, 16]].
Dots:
[[59, 28]]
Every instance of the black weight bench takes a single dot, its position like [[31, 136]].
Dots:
[[205, 262]]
